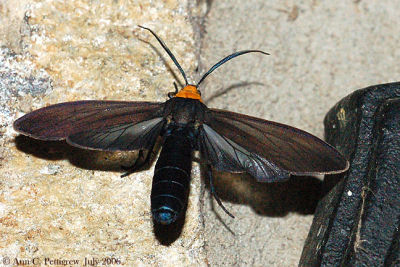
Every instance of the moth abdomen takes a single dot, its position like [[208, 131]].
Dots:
[[171, 179]]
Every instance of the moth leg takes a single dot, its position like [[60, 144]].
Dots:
[[141, 161], [209, 173]]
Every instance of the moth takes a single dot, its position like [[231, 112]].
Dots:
[[227, 141]]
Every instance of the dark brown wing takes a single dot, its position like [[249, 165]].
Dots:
[[225, 155], [121, 137], [122, 125], [285, 147]]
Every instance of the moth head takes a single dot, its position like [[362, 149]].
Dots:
[[189, 91]]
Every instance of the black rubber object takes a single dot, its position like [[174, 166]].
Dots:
[[357, 222]]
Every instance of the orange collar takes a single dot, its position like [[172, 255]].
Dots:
[[189, 91]]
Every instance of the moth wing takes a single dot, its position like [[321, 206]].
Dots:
[[287, 148], [121, 137], [225, 155], [76, 120]]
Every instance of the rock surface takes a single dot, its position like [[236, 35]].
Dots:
[[63, 203], [320, 52]]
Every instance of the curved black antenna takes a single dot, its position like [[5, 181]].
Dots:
[[169, 53], [227, 58]]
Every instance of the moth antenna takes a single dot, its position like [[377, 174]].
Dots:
[[215, 194], [172, 94], [227, 58], [169, 53]]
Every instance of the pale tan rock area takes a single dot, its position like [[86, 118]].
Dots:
[[63, 203]]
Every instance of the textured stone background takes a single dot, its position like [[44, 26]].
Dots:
[[66, 203], [320, 52], [63, 203]]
